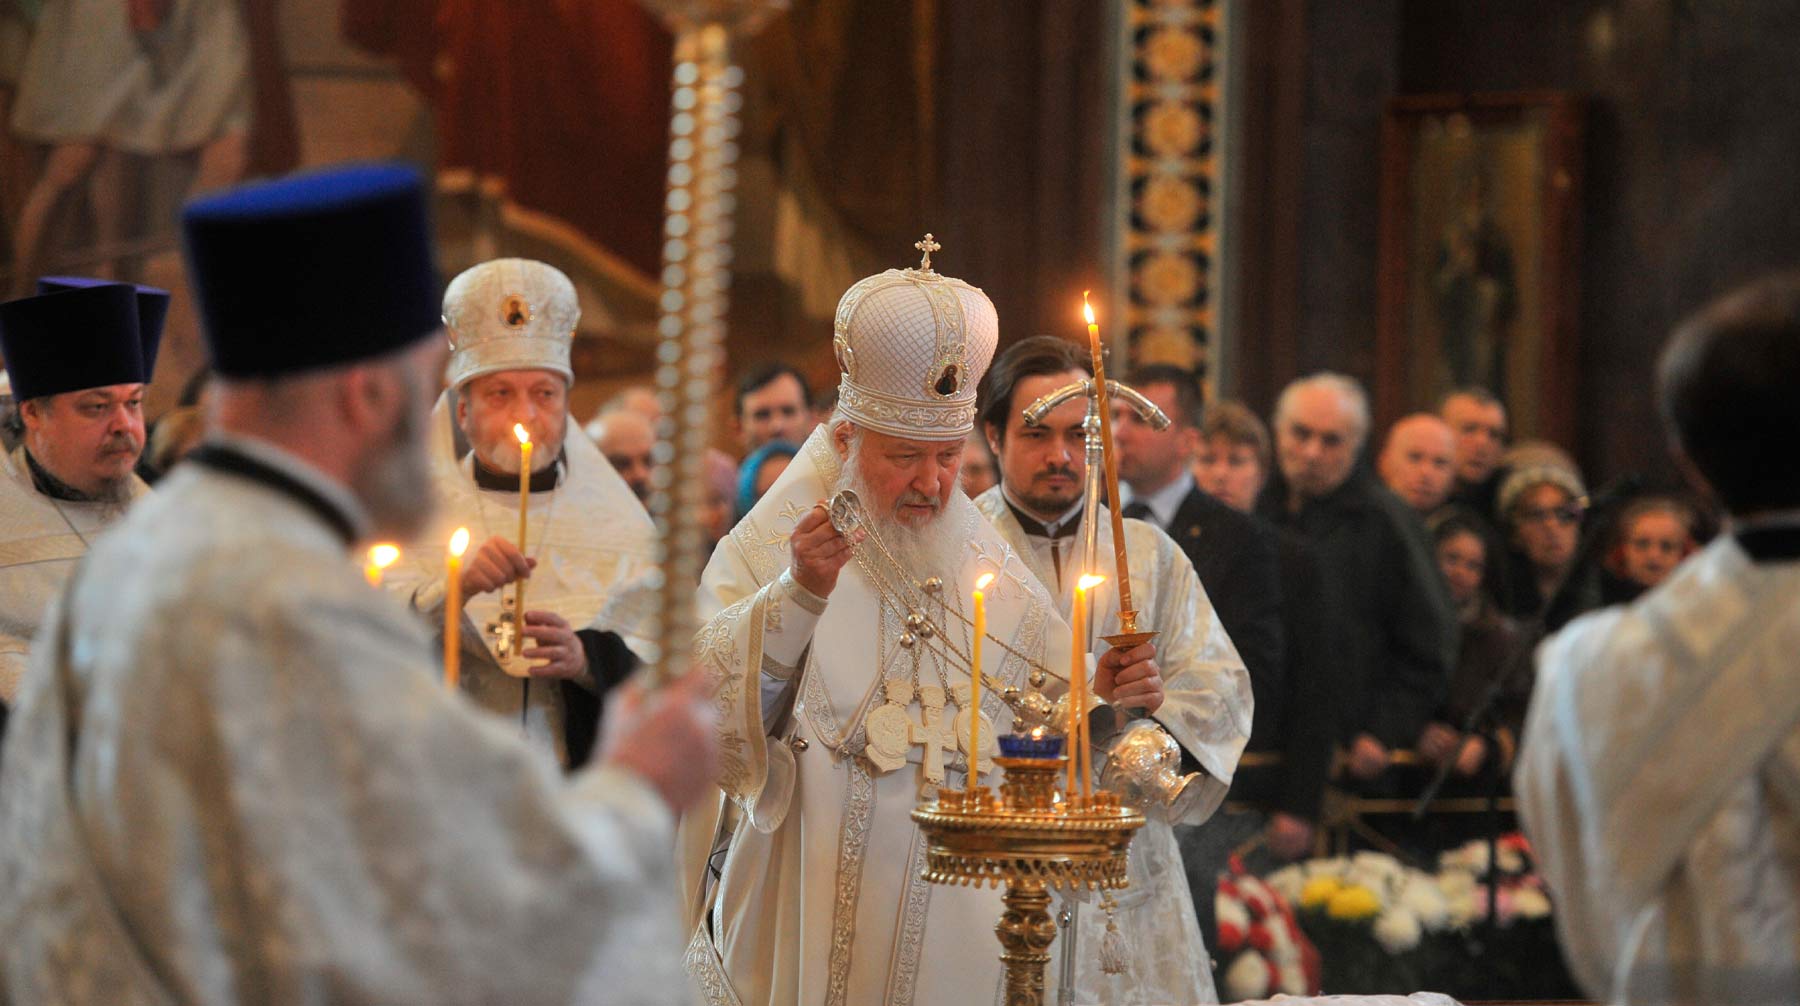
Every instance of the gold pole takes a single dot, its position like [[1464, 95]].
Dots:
[[697, 222], [1026, 932]]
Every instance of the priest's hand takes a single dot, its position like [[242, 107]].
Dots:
[[1290, 837], [1368, 757], [667, 737], [557, 645], [1130, 678], [818, 551], [497, 563]]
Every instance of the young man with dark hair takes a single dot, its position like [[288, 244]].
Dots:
[[773, 402], [1659, 773], [1203, 695]]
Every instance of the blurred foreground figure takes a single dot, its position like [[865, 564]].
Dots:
[[1659, 777], [234, 774]]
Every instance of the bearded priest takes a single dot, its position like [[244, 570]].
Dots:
[[840, 662], [1198, 690], [587, 558]]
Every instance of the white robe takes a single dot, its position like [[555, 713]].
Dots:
[[41, 540], [1207, 707], [595, 547], [821, 899], [1659, 781], [246, 784]]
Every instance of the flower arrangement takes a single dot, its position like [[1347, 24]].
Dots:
[[1261, 950], [1380, 925]]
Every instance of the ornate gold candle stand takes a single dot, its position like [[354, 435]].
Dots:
[[1029, 841]]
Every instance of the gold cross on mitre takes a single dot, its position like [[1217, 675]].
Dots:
[[927, 245]]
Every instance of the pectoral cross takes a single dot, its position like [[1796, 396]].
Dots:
[[504, 630], [933, 730], [928, 245]]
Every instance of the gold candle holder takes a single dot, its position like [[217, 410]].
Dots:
[[1027, 841]]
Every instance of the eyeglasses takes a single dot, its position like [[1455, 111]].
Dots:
[[1566, 514]]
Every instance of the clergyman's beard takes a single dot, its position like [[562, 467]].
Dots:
[[395, 486], [927, 550]]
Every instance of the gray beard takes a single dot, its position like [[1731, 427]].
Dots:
[[395, 487], [922, 552]]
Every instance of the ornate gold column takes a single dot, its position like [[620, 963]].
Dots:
[[1168, 180]]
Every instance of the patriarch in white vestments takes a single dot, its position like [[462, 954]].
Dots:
[[1659, 769], [841, 667]]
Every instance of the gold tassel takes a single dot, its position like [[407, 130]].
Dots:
[[1115, 958]]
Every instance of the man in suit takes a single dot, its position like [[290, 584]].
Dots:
[[1233, 552]]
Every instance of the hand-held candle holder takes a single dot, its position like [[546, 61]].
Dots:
[[1028, 841]]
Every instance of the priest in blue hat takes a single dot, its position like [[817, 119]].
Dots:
[[234, 773], [78, 358]]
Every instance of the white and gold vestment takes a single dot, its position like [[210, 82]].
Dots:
[[1206, 706], [821, 900], [41, 540]]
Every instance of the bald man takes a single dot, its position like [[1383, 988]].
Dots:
[[627, 438], [1418, 461], [1398, 632]]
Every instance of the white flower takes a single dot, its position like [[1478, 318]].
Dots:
[[1377, 863], [1397, 930], [1465, 909], [1456, 883], [1293, 978], [1287, 882], [1530, 903], [1248, 977], [1332, 867], [1511, 860], [1424, 898]]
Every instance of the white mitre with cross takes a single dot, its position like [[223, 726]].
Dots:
[[911, 347]]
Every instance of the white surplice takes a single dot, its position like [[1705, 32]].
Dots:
[[1207, 707], [1659, 782], [595, 547], [245, 783], [821, 899], [41, 540]]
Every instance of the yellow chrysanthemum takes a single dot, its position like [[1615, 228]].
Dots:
[[1353, 902], [1318, 891]]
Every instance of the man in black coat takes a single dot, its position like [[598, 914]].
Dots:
[[1233, 553], [1398, 629]]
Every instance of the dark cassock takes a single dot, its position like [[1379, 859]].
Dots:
[[76, 335], [511, 323], [233, 773]]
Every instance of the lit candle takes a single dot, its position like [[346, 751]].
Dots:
[[380, 557], [1078, 733], [524, 436], [459, 543], [1127, 613], [981, 583]]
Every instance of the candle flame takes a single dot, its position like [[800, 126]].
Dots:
[[459, 542], [522, 433], [383, 555], [1090, 581], [1087, 310], [982, 581]]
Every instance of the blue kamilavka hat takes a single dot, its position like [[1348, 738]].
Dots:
[[152, 304], [313, 271], [72, 340]]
